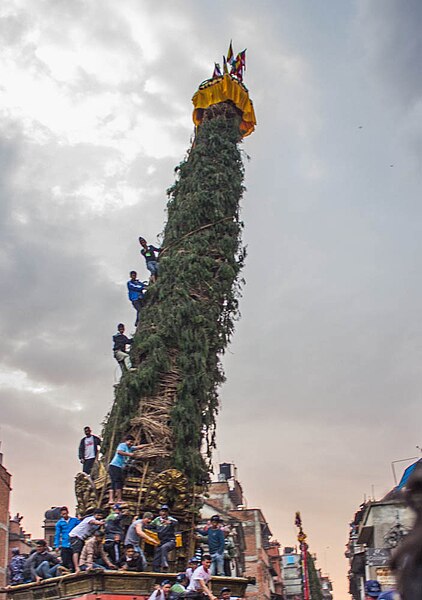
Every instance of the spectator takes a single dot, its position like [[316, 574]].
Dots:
[[114, 523], [165, 526], [131, 560], [120, 341], [162, 592], [138, 530], [114, 533], [136, 293], [193, 564], [93, 555], [229, 552], [199, 582], [372, 589], [179, 588], [148, 252], [115, 469], [61, 539], [215, 541], [88, 450], [16, 567], [114, 549], [41, 563], [225, 593], [82, 532]]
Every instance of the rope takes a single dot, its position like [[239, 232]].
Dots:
[[192, 542], [195, 231]]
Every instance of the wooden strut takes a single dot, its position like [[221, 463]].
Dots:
[[141, 488], [108, 458], [195, 231]]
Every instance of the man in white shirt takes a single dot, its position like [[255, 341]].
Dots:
[[82, 532], [88, 450], [201, 577]]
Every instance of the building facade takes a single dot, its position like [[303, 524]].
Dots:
[[375, 531], [257, 556], [5, 479]]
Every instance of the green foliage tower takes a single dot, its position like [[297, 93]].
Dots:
[[171, 401]]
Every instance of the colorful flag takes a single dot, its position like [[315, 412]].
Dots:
[[237, 68], [217, 70], [242, 56], [230, 54], [225, 69]]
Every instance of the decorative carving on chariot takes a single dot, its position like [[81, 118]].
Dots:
[[169, 487], [86, 494]]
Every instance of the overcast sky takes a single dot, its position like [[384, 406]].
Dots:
[[324, 373]]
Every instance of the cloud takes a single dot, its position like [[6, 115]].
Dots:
[[323, 369], [393, 44]]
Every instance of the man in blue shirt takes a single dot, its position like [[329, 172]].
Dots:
[[136, 293], [115, 469], [61, 540], [215, 541], [148, 252]]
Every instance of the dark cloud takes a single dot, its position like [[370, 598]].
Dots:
[[393, 43], [323, 371]]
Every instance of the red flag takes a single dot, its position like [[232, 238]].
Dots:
[[237, 68]]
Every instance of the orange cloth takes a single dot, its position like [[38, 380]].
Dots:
[[220, 90]]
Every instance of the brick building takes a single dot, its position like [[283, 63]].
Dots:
[[4, 521], [257, 556], [18, 538]]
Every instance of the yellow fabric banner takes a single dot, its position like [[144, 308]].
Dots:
[[220, 90]]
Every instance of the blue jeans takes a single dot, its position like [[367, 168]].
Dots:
[[45, 571], [217, 564], [152, 266], [94, 566], [160, 555], [139, 550]]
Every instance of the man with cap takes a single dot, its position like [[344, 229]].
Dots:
[[136, 292], [179, 588], [193, 563], [225, 593], [372, 589], [16, 567], [165, 526], [215, 541]]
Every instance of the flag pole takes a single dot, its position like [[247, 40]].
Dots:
[[301, 537]]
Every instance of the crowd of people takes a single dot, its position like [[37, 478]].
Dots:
[[108, 542]]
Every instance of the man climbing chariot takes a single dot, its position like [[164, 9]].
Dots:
[[149, 253], [120, 341]]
